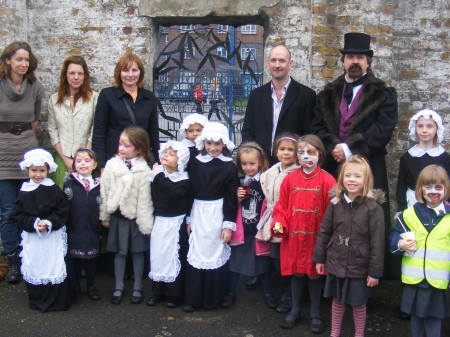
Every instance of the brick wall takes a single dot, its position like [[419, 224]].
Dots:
[[409, 37]]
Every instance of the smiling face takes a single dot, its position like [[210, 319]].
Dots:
[[279, 63], [353, 180], [308, 156], [19, 63], [170, 160], [286, 153], [130, 75], [126, 149], [426, 130], [75, 76], [193, 131], [433, 194], [355, 65], [250, 163], [37, 173], [214, 148], [84, 164]]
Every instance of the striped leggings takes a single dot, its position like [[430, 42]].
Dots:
[[337, 315]]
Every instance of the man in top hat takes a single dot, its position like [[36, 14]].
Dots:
[[357, 114]]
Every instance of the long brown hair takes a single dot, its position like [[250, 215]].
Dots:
[[9, 51], [124, 62], [140, 140], [85, 91]]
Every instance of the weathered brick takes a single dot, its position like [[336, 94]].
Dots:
[[322, 9]]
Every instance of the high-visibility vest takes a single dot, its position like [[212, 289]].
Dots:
[[431, 259]]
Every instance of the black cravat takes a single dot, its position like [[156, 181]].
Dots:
[[348, 92]]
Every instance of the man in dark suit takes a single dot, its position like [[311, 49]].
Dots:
[[281, 105]]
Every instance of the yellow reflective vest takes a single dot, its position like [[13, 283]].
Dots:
[[431, 260]]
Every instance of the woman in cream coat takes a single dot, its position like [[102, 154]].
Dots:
[[71, 114]]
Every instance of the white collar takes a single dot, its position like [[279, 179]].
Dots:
[[416, 151], [346, 79], [285, 87], [207, 158], [132, 160], [439, 208], [174, 176], [188, 142], [30, 185], [256, 177], [347, 198]]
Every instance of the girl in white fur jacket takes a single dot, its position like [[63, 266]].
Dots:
[[127, 208]]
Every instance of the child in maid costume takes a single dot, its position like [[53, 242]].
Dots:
[[190, 129], [168, 244], [214, 182], [42, 211]]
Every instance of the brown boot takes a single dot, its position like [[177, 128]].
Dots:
[[13, 268]]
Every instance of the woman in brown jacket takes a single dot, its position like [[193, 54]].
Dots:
[[351, 243]]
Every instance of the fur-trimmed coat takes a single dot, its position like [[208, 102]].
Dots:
[[351, 237], [129, 191], [371, 128]]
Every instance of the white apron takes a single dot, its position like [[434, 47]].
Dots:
[[164, 246], [43, 257], [206, 250]]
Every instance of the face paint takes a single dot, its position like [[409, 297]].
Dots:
[[433, 194], [308, 156]]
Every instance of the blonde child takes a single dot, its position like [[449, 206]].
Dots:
[[42, 211], [190, 129], [422, 235], [285, 151], [304, 196], [248, 256], [214, 182], [426, 128], [350, 245], [127, 208], [171, 191], [82, 188]]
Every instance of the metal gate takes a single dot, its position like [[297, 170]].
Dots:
[[218, 64]]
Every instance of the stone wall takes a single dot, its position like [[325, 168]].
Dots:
[[409, 37]]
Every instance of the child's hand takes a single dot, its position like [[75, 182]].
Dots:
[[105, 224], [407, 245], [155, 165], [42, 226], [372, 282], [226, 235], [188, 229], [278, 228], [320, 268], [241, 193]]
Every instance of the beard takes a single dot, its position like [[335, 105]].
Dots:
[[354, 71]]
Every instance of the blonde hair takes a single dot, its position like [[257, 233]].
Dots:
[[432, 175], [252, 147], [368, 176]]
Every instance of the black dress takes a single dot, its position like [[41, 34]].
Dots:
[[49, 203]]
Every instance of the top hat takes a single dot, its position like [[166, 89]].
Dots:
[[358, 43]]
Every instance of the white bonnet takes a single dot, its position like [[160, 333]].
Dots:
[[38, 157], [192, 119], [427, 114], [214, 131], [183, 153]]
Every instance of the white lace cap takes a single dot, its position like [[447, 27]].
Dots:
[[182, 153], [214, 131], [38, 157], [427, 114], [192, 119]]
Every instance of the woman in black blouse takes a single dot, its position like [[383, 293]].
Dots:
[[125, 104]]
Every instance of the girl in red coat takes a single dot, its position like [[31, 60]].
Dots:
[[297, 216]]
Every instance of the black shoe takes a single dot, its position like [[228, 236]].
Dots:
[[188, 308], [171, 305], [253, 283], [116, 300], [228, 300], [285, 305], [289, 321], [271, 301], [153, 300], [316, 325], [13, 268], [93, 293], [137, 299]]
